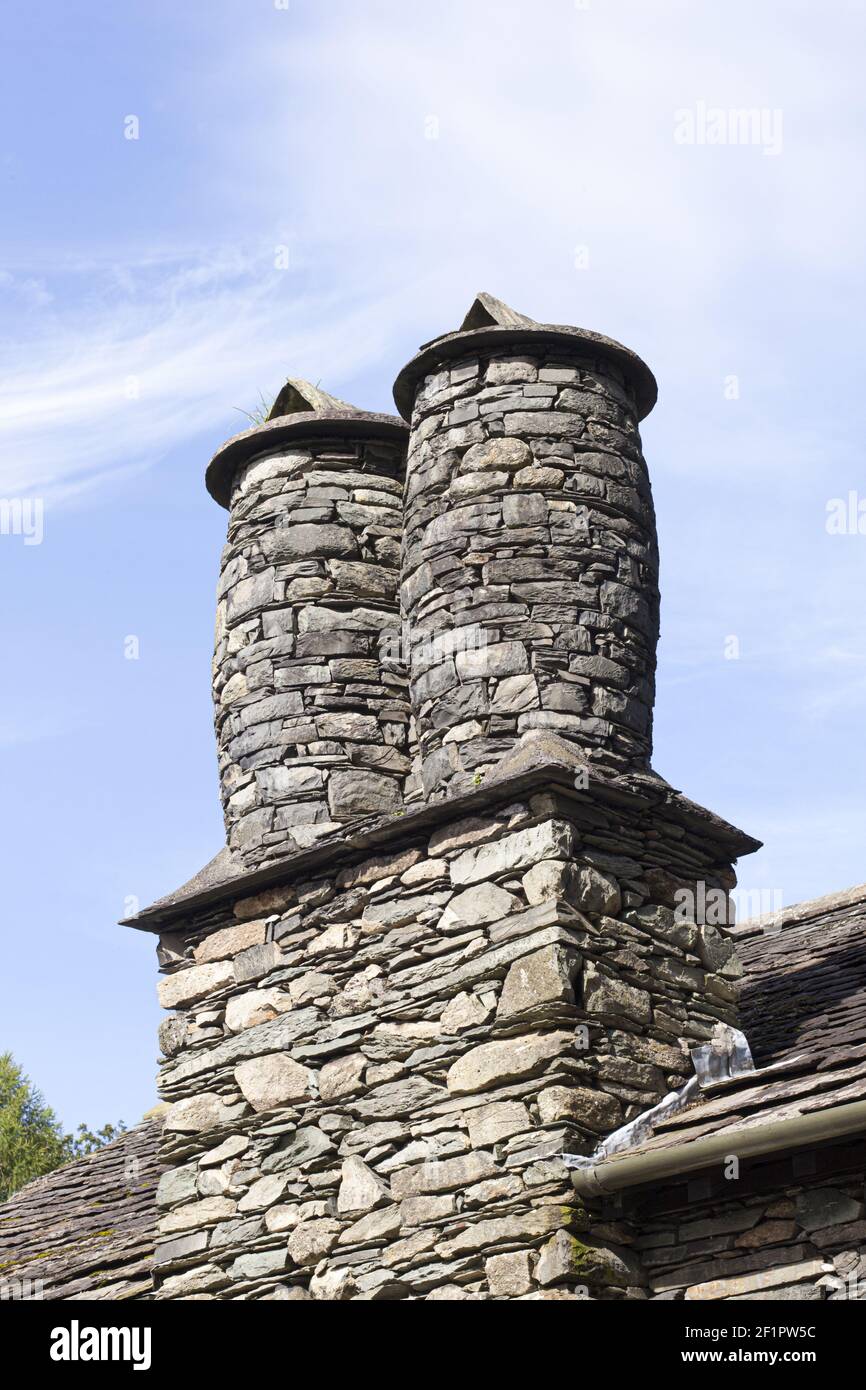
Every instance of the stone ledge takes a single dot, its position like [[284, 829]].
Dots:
[[224, 878], [314, 424], [542, 335]]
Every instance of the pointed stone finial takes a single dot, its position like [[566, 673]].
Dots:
[[489, 312], [297, 396]]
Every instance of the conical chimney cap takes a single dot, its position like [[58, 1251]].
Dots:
[[300, 411], [491, 324]]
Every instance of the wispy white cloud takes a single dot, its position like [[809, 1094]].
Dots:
[[555, 130], [153, 361]]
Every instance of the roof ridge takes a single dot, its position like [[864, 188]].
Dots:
[[799, 914]]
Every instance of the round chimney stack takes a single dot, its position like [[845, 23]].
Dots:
[[530, 558], [310, 701]]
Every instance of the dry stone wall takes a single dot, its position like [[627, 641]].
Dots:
[[310, 694], [376, 1064], [374, 1069], [530, 564], [803, 1240]]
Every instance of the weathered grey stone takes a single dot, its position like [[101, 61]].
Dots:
[[194, 1282], [168, 1251], [196, 1214], [500, 1120], [506, 370], [486, 1235], [543, 422], [544, 977], [484, 902], [377, 1227], [360, 1188], [826, 1206], [315, 619], [496, 1063], [290, 542], [515, 694], [275, 1036], [551, 879], [172, 1035], [267, 1082], [603, 994], [313, 985], [494, 454], [416, 1211], [496, 659], [338, 938], [213, 1182], [465, 1011], [517, 851], [257, 961], [597, 892], [474, 484], [760, 1281], [194, 983], [281, 1218], [509, 1276], [565, 1258], [194, 1114], [233, 1147], [250, 596], [282, 783], [525, 509], [442, 1175], [176, 1186], [594, 1110], [543, 478], [222, 944], [767, 1233], [266, 1192], [342, 1077], [347, 726], [359, 792], [379, 867], [362, 580], [311, 1240], [397, 1098], [247, 1010], [260, 1265], [333, 1285], [307, 1145]]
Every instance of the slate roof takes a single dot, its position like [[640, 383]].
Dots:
[[803, 1011], [87, 1230]]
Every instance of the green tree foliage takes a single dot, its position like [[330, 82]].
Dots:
[[32, 1141], [84, 1141]]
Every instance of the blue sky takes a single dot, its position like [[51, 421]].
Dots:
[[142, 304]]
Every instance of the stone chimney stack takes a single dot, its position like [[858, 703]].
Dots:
[[310, 702], [530, 560]]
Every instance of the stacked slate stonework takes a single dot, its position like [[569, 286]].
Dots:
[[756, 1189], [376, 1064], [309, 689], [530, 563], [386, 1035], [448, 1017]]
